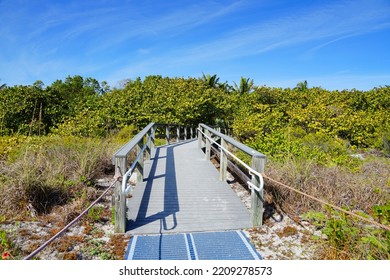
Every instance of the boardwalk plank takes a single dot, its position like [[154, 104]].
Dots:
[[182, 193]]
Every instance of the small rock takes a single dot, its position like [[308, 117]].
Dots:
[[358, 156]]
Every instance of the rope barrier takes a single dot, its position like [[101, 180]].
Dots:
[[329, 204], [253, 172], [44, 245]]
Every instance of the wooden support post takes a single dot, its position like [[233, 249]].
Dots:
[[140, 164], [148, 144], [200, 138], [119, 196], [178, 133], [223, 162], [257, 198], [167, 134], [208, 145], [152, 140]]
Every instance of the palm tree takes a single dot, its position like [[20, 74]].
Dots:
[[246, 86], [301, 86], [210, 81], [226, 87]]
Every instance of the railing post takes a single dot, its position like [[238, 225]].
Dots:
[[140, 164], [152, 140], [200, 136], [148, 144], [257, 198], [119, 196], [178, 133], [167, 133], [223, 161], [208, 145]]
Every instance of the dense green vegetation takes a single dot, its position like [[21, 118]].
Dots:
[[333, 144], [314, 123], [275, 120], [84, 107]]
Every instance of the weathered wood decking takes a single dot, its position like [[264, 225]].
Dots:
[[182, 193]]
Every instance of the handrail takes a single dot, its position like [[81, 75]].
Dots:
[[250, 169], [127, 175], [257, 167], [234, 142], [142, 144], [120, 162], [126, 149]]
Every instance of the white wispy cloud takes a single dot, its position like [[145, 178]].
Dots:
[[165, 26], [321, 25], [41, 37], [330, 23], [135, 38], [93, 29]]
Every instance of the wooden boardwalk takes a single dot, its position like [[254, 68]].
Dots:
[[182, 193]]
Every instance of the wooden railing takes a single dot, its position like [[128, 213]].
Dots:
[[209, 137], [143, 144]]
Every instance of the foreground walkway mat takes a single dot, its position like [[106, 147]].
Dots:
[[228, 245]]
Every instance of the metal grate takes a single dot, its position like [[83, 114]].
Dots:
[[228, 245]]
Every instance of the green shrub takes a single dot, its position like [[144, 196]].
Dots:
[[386, 143], [125, 134], [95, 213], [349, 237]]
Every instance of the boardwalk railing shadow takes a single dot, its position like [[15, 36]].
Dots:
[[170, 197]]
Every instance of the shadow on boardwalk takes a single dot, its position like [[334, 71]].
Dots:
[[171, 199], [182, 193]]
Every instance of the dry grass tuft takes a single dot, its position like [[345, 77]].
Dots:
[[362, 191], [70, 256], [118, 243], [358, 190], [287, 231], [51, 172], [66, 242]]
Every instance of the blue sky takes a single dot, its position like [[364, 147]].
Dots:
[[333, 44]]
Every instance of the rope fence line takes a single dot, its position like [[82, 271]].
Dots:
[[44, 245], [328, 204], [261, 176]]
